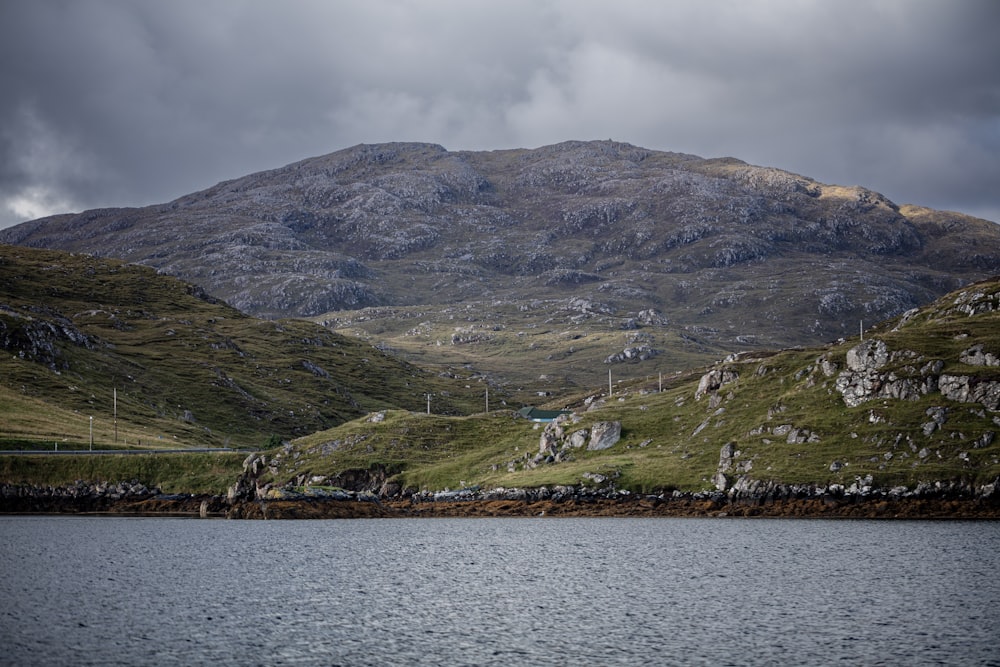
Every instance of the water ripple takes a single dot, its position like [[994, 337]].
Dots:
[[88, 591]]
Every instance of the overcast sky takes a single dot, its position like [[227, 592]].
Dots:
[[134, 102]]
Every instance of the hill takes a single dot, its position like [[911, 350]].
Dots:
[[913, 408], [156, 362], [615, 255]]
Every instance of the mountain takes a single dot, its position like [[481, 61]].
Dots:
[[913, 409], [155, 361], [681, 257]]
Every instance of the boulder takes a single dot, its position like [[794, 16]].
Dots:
[[713, 381], [975, 356], [726, 456], [720, 480], [579, 438], [869, 355], [604, 435]]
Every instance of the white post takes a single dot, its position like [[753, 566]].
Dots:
[[91, 433], [428, 403], [861, 326], [487, 399], [116, 413], [610, 390]]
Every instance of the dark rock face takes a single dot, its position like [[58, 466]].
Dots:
[[38, 339], [746, 497], [876, 371], [718, 243]]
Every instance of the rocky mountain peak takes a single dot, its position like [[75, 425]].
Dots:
[[737, 252]]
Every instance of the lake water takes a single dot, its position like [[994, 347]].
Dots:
[[542, 591]]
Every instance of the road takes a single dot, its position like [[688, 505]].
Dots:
[[77, 452]]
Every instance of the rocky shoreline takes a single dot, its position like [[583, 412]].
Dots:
[[941, 502]]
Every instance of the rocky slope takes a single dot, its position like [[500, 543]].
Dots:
[[734, 253], [910, 412], [902, 423]]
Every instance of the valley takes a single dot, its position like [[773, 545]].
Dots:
[[368, 324]]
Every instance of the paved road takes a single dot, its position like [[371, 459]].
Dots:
[[75, 452]]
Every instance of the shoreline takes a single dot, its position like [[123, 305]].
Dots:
[[325, 508]]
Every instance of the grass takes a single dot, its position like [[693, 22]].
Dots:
[[542, 347], [188, 371], [210, 473], [782, 414], [192, 372]]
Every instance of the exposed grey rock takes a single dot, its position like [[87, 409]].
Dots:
[[314, 369], [867, 356], [966, 389], [548, 443], [594, 477], [720, 481], [633, 353], [714, 380], [906, 317], [604, 435], [938, 415], [863, 380], [39, 340], [579, 438], [985, 440], [975, 356], [932, 367], [700, 427], [828, 367], [726, 455], [595, 219], [650, 317]]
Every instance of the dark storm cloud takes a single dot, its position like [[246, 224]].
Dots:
[[115, 102]]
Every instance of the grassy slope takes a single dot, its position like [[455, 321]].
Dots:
[[188, 371], [242, 379], [172, 473], [670, 439], [542, 346]]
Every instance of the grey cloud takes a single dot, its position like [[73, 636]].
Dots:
[[113, 102]]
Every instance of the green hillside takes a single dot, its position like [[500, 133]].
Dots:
[[915, 403], [96, 338]]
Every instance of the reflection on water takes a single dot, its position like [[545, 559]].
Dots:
[[87, 591]]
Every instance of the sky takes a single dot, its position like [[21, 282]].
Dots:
[[136, 102]]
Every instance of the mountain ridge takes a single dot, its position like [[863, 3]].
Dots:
[[737, 254]]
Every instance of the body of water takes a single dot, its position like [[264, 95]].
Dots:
[[543, 591]]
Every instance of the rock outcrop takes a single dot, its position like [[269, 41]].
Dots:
[[604, 435], [867, 377]]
